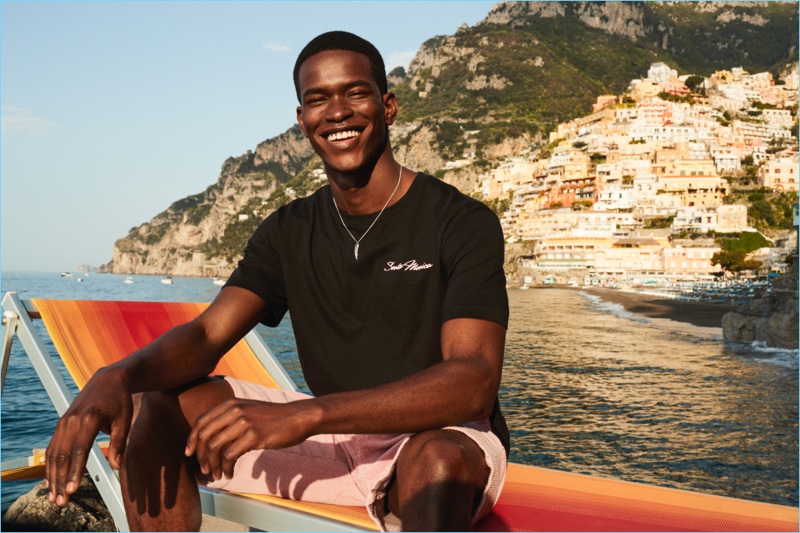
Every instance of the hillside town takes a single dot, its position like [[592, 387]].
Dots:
[[613, 197]]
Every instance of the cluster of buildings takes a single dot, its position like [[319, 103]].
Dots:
[[605, 199]]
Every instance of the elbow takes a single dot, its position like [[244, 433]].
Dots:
[[484, 396], [484, 408]]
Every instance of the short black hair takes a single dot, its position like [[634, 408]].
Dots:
[[342, 40]]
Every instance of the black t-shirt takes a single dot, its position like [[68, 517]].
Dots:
[[434, 255]]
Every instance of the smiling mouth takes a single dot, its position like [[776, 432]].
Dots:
[[343, 135]]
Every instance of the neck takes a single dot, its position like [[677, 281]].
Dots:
[[357, 194]]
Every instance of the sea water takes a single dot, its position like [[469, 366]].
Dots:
[[587, 387]]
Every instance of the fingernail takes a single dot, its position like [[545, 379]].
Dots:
[[70, 486], [60, 501]]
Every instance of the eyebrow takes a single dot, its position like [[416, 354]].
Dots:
[[347, 87]]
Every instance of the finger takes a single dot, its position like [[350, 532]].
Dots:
[[225, 449], [119, 437], [215, 439], [206, 428], [77, 466], [232, 453], [118, 433], [67, 454], [59, 461], [214, 449], [58, 494], [49, 473], [200, 424]]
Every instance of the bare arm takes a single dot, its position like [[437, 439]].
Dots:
[[192, 350], [185, 353], [462, 388]]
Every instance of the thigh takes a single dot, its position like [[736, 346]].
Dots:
[[316, 470]]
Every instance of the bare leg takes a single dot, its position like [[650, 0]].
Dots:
[[439, 479], [158, 481]]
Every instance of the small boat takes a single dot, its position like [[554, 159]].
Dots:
[[80, 280], [167, 280], [66, 275], [218, 281], [524, 287], [128, 281]]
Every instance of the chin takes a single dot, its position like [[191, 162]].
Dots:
[[345, 165]]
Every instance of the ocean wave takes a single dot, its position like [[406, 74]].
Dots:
[[612, 308], [761, 352]]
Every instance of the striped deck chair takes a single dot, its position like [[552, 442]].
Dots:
[[90, 334]]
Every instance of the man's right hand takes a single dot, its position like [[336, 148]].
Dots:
[[183, 354], [103, 405]]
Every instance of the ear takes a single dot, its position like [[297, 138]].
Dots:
[[390, 108], [300, 120]]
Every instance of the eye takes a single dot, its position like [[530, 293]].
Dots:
[[315, 101]]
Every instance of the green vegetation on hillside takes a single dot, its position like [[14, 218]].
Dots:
[[767, 210], [735, 247], [550, 71], [701, 43]]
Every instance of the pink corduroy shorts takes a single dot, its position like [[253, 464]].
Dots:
[[343, 469]]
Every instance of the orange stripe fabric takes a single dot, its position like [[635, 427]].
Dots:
[[91, 334], [539, 499]]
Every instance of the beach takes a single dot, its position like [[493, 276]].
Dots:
[[703, 314]]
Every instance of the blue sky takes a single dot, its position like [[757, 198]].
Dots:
[[111, 111]]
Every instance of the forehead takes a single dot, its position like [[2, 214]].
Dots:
[[333, 66]]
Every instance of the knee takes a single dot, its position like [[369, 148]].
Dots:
[[437, 457], [158, 406], [159, 414]]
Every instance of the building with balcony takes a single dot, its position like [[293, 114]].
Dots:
[[780, 173]]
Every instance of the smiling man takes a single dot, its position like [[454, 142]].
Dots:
[[395, 285]]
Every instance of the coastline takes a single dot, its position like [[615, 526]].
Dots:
[[703, 314]]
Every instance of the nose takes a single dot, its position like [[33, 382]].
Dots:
[[339, 109]]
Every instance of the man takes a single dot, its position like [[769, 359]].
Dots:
[[398, 302]]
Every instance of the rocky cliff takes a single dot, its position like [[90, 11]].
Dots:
[[772, 320], [471, 99]]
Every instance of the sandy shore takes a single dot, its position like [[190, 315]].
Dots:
[[698, 313]]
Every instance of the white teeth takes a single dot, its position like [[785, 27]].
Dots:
[[342, 135]]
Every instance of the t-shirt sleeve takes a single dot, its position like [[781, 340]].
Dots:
[[476, 283], [260, 271]]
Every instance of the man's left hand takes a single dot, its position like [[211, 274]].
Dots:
[[235, 427]]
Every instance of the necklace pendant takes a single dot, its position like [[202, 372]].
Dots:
[[355, 251]]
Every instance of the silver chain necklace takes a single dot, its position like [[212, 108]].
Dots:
[[358, 241]]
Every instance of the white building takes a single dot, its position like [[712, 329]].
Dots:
[[661, 72]]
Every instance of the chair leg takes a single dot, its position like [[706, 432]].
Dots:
[[10, 320]]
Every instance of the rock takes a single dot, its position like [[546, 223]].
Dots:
[[772, 319], [84, 512], [737, 327]]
